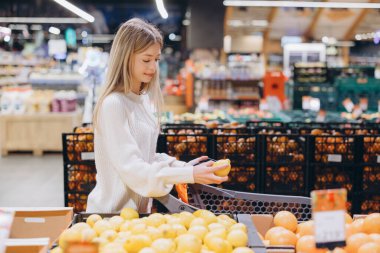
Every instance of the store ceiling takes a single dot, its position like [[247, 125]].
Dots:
[[313, 24]]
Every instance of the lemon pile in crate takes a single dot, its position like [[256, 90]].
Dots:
[[201, 231]]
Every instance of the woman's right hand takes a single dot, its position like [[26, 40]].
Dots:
[[204, 173]]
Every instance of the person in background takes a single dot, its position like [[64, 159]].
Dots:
[[126, 128]]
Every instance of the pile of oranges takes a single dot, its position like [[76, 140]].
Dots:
[[362, 235]]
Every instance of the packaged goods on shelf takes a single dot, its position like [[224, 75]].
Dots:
[[20, 100]]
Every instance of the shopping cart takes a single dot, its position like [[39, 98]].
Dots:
[[232, 202]]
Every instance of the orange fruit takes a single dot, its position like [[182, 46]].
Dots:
[[272, 231], [287, 220], [339, 250], [354, 242], [355, 227], [306, 244], [223, 172], [305, 228], [375, 238], [370, 247], [348, 218], [372, 223], [283, 237]]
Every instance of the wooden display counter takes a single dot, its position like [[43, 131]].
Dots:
[[35, 132]]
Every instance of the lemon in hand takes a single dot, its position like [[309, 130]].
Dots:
[[223, 172]]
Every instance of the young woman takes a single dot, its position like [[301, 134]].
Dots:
[[129, 171]]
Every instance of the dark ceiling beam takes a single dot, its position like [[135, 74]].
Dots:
[[309, 32]]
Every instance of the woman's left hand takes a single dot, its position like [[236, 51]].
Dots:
[[197, 160]]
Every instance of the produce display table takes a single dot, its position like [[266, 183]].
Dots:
[[35, 132]]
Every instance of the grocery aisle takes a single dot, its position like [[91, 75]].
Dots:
[[30, 181]]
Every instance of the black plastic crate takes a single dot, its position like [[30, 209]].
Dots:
[[239, 148], [265, 124], [367, 203], [185, 147], [332, 177], [284, 148], [332, 149], [78, 148], [285, 179], [242, 178], [371, 178], [79, 178], [306, 125], [371, 149], [77, 200]]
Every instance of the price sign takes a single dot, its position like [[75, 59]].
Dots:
[[329, 208]]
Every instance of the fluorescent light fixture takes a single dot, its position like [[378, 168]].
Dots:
[[36, 27], [81, 13], [5, 30], [18, 27], [235, 23], [35, 20], [54, 30], [161, 9], [262, 23], [7, 38], [304, 4]]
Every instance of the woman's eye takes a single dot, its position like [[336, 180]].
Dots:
[[146, 61]]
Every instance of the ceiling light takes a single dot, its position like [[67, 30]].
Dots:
[[7, 38], [84, 34], [263, 23], [303, 4], [36, 20], [235, 23], [358, 37], [81, 13], [36, 27], [186, 22], [161, 9], [172, 36], [54, 30]]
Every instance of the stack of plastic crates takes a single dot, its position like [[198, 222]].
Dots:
[[333, 160], [369, 197], [79, 169], [185, 141], [284, 163]]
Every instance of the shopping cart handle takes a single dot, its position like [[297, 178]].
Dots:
[[175, 205]]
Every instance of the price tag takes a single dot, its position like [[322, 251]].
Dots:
[[378, 159], [334, 158], [329, 208], [6, 219], [88, 156]]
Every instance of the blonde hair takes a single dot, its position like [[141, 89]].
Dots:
[[133, 36]]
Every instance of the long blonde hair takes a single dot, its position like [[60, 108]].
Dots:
[[133, 36]]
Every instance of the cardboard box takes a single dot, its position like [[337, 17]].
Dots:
[[261, 223], [34, 245], [40, 222]]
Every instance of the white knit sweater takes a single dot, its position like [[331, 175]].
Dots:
[[129, 170]]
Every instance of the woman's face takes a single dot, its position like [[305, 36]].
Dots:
[[145, 65]]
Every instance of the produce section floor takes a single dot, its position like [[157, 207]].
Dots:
[[30, 181]]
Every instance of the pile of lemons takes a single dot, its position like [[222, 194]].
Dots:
[[198, 232]]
